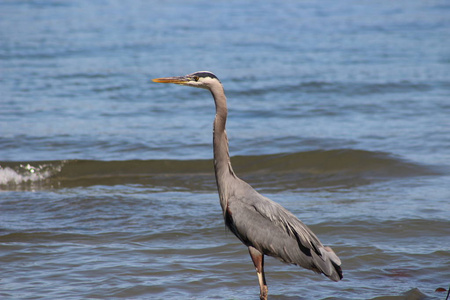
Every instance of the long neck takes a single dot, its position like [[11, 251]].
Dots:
[[222, 164]]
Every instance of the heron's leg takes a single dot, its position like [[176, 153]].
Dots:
[[258, 261]]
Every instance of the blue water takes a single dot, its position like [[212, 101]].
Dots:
[[338, 110]]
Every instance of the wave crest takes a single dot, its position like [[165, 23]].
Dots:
[[28, 173], [283, 171]]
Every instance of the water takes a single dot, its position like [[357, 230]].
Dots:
[[338, 110]]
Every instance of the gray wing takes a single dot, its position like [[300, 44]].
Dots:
[[267, 226]]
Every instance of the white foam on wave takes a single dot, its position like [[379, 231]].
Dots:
[[26, 174]]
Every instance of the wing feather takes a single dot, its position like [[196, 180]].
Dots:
[[264, 224]]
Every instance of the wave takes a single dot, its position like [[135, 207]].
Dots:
[[20, 173], [342, 167]]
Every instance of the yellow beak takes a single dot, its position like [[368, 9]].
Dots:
[[177, 80]]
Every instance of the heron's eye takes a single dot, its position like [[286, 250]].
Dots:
[[196, 78]]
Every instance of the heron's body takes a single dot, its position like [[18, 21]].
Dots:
[[263, 225]]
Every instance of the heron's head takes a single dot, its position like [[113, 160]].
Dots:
[[202, 79]]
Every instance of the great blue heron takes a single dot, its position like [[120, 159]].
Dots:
[[263, 225]]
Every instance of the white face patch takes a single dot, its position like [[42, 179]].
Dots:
[[207, 80], [202, 82]]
